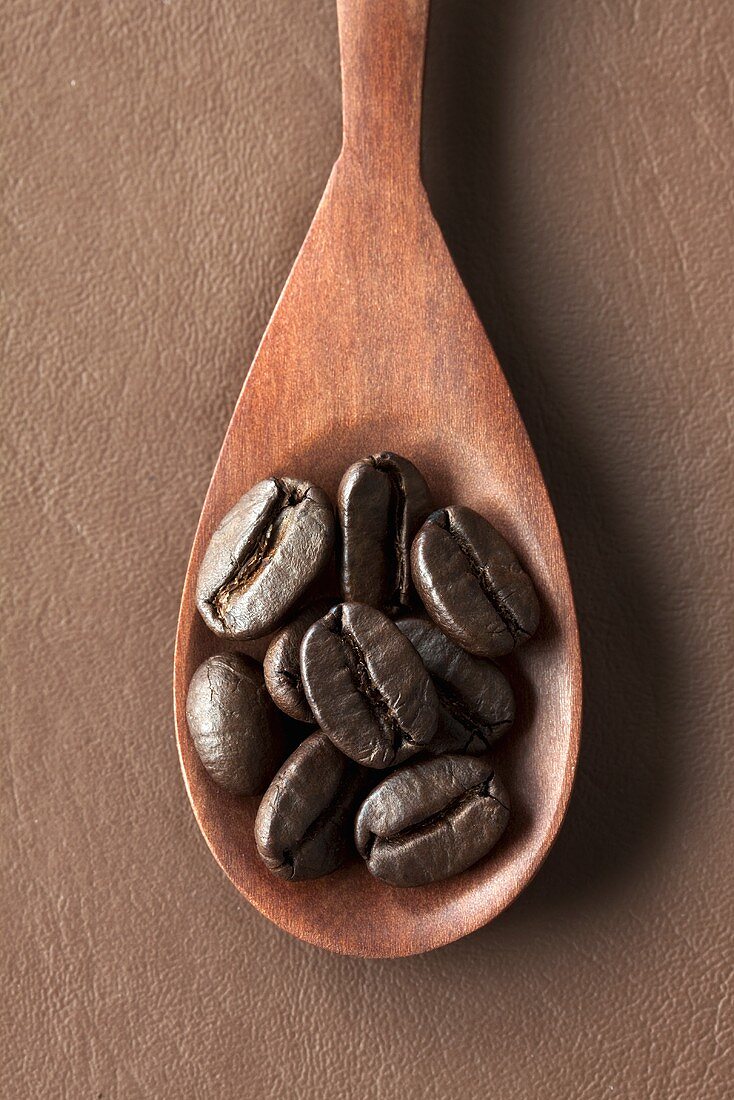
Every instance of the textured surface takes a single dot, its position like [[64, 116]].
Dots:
[[164, 162]]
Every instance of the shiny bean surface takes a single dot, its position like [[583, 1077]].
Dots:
[[476, 704], [472, 584], [235, 728], [304, 824], [367, 686], [282, 664], [430, 820], [266, 551], [382, 502]]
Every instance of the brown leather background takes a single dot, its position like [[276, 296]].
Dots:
[[163, 160]]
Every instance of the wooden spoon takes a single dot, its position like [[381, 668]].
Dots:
[[374, 345]]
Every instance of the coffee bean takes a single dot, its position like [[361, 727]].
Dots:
[[471, 583], [282, 664], [367, 686], [262, 557], [431, 820], [303, 826], [476, 704], [234, 726], [382, 502]]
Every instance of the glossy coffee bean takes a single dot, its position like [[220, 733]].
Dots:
[[234, 726], [476, 704], [471, 583], [262, 557], [382, 502], [303, 828], [367, 686], [430, 820], [282, 664]]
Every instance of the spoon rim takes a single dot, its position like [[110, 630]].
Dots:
[[523, 507]]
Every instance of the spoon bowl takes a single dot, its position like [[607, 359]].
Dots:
[[375, 345]]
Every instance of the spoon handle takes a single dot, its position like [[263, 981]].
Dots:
[[382, 45]]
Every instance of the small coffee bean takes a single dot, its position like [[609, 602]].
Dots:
[[367, 686], [471, 583], [430, 820], [264, 554], [282, 664], [382, 502], [304, 824], [476, 704], [234, 726]]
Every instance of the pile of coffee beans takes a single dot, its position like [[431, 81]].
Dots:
[[390, 695]]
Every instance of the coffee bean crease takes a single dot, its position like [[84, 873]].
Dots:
[[441, 817], [356, 661], [397, 525], [473, 723], [266, 539], [480, 572]]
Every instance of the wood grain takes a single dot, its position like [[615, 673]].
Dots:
[[374, 344]]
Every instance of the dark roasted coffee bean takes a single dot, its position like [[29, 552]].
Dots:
[[367, 686], [431, 820], [282, 664], [303, 828], [262, 557], [235, 728], [476, 704], [471, 583], [383, 500]]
